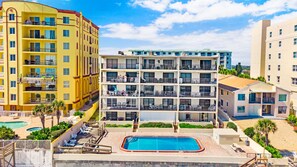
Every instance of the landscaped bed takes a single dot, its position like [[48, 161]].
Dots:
[[191, 126], [156, 125], [118, 126]]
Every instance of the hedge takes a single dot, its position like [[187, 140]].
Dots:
[[191, 126], [156, 125], [118, 126]]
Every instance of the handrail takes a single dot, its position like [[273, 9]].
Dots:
[[248, 162]]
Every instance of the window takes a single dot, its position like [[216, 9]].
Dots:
[[12, 57], [270, 34], [269, 68], [241, 97], [270, 45], [295, 68], [11, 30], [227, 104], [66, 45], [66, 84], [13, 84], [294, 81], [294, 54], [65, 59], [295, 41], [278, 67], [66, 20], [268, 77], [282, 109], [269, 56], [111, 76], [222, 103], [222, 92], [11, 17], [280, 31], [66, 71], [66, 96], [279, 55], [278, 78], [12, 44], [65, 33], [240, 109], [280, 44], [12, 70], [295, 28], [13, 97], [282, 97]]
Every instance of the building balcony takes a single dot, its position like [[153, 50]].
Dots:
[[1, 87], [41, 37], [158, 80], [121, 93], [197, 81], [1, 74], [121, 79], [39, 101], [255, 101], [197, 94], [1, 33], [198, 67], [1, 61], [197, 108], [121, 107], [43, 62], [120, 66], [45, 75], [158, 94], [160, 107], [51, 50], [1, 47], [39, 88], [268, 100], [159, 67], [42, 23], [2, 100]]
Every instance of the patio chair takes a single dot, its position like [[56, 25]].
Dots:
[[86, 127], [84, 131], [68, 144], [73, 136]]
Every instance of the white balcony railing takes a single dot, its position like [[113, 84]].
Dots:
[[1, 87], [1, 74], [1, 47]]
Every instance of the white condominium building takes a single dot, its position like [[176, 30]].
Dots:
[[274, 54], [174, 87]]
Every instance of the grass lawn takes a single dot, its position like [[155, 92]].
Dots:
[[283, 139]]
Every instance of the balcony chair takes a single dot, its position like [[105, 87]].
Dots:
[[68, 144]]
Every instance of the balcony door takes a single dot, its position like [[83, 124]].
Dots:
[[35, 47], [186, 77], [35, 72], [186, 64], [131, 63], [49, 34], [149, 63], [49, 21], [148, 102], [205, 64], [35, 59], [35, 20], [112, 63], [50, 60], [185, 90], [50, 47], [34, 33], [204, 103], [204, 90]]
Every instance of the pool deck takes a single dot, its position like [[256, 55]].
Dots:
[[32, 122]]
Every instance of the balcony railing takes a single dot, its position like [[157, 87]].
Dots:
[[1, 47], [39, 100], [36, 88], [121, 79], [1, 61], [268, 100], [158, 80], [1, 74], [43, 23], [159, 107], [119, 66], [197, 108], [40, 37], [1, 34], [122, 107], [198, 67], [1, 87], [121, 93], [197, 94], [41, 50], [46, 75], [255, 101], [198, 81], [43, 62], [158, 94], [159, 67]]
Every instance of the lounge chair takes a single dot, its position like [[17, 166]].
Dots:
[[86, 127], [84, 131], [237, 148], [73, 136], [294, 156], [68, 144]]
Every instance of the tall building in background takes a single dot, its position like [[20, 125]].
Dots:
[[46, 54], [276, 48], [160, 86]]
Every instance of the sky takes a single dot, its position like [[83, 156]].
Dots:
[[179, 24]]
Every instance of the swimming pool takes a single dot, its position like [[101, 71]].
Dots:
[[161, 144], [14, 124], [34, 129]]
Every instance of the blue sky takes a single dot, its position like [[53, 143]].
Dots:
[[179, 24]]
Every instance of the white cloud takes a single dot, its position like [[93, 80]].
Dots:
[[284, 17], [157, 5]]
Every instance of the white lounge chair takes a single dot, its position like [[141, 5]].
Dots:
[[84, 131], [68, 144], [73, 136], [86, 127]]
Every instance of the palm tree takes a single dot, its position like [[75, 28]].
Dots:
[[264, 127], [57, 105], [41, 110]]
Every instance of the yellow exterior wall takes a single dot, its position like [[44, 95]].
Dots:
[[80, 88]]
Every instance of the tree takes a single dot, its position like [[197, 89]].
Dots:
[[57, 106], [41, 110], [264, 127], [250, 132], [238, 68], [6, 133]]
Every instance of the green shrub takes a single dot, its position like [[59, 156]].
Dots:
[[156, 125], [191, 126], [250, 132], [292, 119], [261, 140], [49, 133], [57, 133], [44, 134], [118, 126], [232, 126], [78, 113], [6, 133], [61, 125]]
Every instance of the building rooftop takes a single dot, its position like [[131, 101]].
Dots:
[[235, 83], [172, 50]]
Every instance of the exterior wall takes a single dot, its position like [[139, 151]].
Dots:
[[78, 27], [229, 97], [258, 49], [278, 103]]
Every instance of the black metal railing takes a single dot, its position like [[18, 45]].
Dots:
[[158, 80], [158, 93], [197, 108], [41, 50], [255, 100], [197, 94], [42, 62], [43, 23], [159, 107], [159, 66], [119, 66], [269, 100], [198, 80], [197, 67]]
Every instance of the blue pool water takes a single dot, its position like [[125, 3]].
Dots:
[[14, 125], [34, 129], [155, 143]]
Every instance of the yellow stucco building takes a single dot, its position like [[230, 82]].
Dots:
[[46, 54]]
